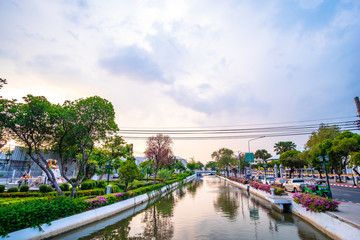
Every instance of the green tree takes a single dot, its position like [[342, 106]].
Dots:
[[191, 166], [200, 165], [79, 126], [312, 151], [158, 150], [147, 167], [165, 174], [355, 160], [211, 165], [262, 154], [224, 158], [282, 147], [178, 165], [129, 172], [292, 160], [340, 149], [32, 124]]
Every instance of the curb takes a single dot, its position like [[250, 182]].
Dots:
[[344, 185]]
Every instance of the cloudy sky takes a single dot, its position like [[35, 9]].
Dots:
[[188, 64]]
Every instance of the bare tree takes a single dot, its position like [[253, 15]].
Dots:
[[158, 149]]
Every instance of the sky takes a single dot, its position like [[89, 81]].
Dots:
[[188, 64]]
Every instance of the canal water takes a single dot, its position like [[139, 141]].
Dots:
[[206, 208]]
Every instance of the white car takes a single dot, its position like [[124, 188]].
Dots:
[[268, 180]]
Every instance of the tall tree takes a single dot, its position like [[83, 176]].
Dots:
[[94, 121], [282, 147], [262, 154], [292, 160], [224, 158], [340, 149], [32, 124], [159, 148]]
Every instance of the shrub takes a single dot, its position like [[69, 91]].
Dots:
[[315, 203], [101, 184], [24, 188], [88, 184], [2, 188], [65, 187], [45, 188], [73, 180], [114, 188], [34, 213], [12, 189]]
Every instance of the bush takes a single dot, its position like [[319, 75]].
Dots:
[[114, 188], [2, 188], [315, 203], [73, 180], [88, 184], [45, 188], [65, 187], [101, 184], [12, 189], [34, 213], [24, 188]]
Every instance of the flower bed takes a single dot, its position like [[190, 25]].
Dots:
[[315, 203], [258, 185]]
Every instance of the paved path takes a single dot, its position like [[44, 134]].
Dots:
[[348, 212]]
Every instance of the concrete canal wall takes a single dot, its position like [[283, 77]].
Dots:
[[63, 225], [327, 223]]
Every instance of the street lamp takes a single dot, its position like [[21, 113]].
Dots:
[[321, 159], [265, 165], [109, 167], [252, 140], [7, 157], [239, 165]]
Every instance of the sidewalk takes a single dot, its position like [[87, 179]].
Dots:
[[348, 212]]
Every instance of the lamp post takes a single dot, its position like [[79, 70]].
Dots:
[[7, 159], [239, 165], [109, 167], [265, 165], [252, 140], [321, 159]]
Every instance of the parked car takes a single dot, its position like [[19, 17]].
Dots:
[[268, 180], [294, 185], [280, 181]]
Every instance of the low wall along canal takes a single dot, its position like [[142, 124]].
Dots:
[[206, 208]]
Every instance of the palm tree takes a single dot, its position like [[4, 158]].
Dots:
[[281, 147], [262, 154]]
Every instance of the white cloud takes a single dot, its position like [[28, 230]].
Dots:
[[186, 64]]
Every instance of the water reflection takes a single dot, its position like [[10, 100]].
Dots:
[[207, 208], [227, 202]]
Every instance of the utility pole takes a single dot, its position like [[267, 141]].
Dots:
[[357, 103]]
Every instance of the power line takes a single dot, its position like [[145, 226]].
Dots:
[[242, 133]]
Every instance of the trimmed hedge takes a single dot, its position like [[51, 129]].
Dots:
[[65, 187], [35, 213], [88, 184], [45, 188], [24, 188], [101, 184], [79, 193], [12, 189]]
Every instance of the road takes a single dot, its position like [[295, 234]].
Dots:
[[344, 194]]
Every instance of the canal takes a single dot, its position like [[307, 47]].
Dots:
[[206, 208]]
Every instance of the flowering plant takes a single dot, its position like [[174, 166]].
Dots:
[[315, 203]]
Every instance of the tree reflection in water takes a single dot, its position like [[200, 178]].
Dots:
[[194, 186], [227, 202]]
